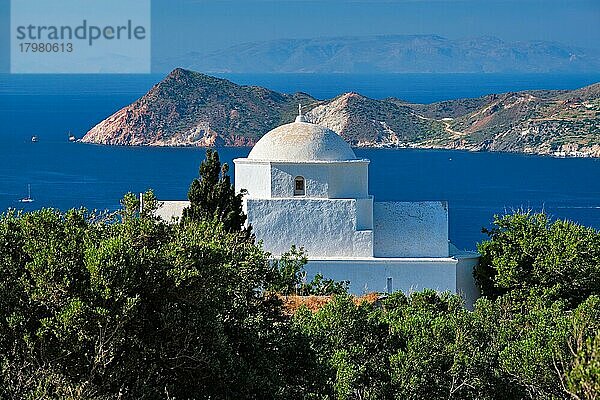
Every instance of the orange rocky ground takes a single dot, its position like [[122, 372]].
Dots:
[[314, 303]]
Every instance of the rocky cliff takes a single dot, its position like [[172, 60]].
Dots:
[[192, 109]]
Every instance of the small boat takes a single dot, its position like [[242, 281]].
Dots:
[[27, 199], [72, 137], [34, 139]]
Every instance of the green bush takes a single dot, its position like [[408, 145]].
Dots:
[[290, 277], [527, 252], [127, 306]]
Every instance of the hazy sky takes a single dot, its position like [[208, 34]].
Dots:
[[180, 26], [200, 25]]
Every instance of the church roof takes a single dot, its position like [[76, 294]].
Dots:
[[301, 141]]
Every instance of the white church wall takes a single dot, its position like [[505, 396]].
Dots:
[[364, 213], [255, 177], [336, 180], [362, 243], [170, 210], [324, 227], [349, 180], [315, 178], [465, 282], [410, 229], [371, 275]]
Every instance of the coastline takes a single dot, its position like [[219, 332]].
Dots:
[[371, 147]]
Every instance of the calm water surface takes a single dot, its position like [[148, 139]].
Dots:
[[476, 185]]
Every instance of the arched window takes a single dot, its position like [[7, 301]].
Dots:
[[299, 187]]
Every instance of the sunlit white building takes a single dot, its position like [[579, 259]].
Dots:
[[306, 187]]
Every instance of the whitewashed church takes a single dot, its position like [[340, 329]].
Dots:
[[307, 187]]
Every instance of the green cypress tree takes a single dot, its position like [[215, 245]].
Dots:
[[212, 196]]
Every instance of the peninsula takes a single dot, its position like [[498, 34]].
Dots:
[[192, 109]]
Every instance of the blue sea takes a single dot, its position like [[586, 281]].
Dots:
[[476, 185]]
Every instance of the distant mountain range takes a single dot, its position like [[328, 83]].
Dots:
[[391, 54], [192, 109]]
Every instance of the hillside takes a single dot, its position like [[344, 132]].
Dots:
[[541, 122], [191, 109], [365, 122], [392, 54]]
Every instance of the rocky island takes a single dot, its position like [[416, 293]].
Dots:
[[192, 109]]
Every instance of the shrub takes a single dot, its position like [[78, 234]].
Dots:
[[527, 251]]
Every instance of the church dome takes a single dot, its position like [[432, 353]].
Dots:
[[301, 141]]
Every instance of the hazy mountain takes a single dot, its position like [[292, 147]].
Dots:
[[191, 109], [392, 54]]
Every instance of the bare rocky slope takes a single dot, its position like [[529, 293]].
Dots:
[[191, 109]]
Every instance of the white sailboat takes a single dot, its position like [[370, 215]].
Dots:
[[27, 199]]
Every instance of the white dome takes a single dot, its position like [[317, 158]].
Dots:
[[301, 141]]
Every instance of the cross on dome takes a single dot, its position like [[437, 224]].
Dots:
[[300, 117]]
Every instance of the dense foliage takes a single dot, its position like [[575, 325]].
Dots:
[[125, 306], [213, 196], [97, 307], [527, 252], [428, 346]]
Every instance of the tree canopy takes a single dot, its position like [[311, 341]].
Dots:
[[98, 306], [529, 252], [213, 196], [125, 306]]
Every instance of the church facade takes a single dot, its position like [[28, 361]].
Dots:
[[306, 187]]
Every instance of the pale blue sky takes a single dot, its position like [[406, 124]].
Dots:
[[180, 26], [203, 24]]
